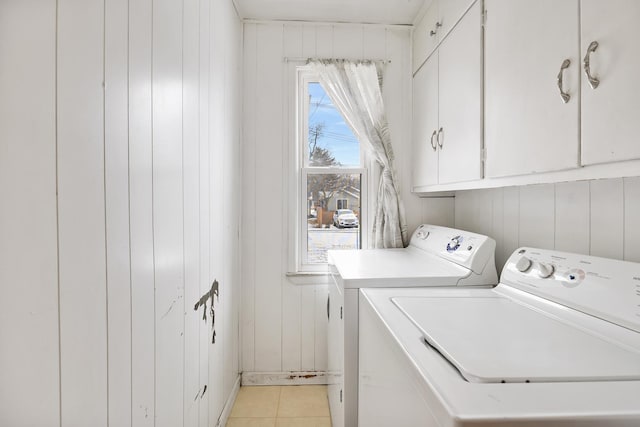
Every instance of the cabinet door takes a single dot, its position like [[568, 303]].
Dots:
[[425, 122], [460, 98], [611, 111], [528, 127], [424, 42], [450, 12]]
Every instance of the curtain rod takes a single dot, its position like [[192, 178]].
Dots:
[[293, 59]]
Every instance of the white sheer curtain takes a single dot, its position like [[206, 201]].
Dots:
[[355, 89]]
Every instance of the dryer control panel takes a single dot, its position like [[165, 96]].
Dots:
[[470, 250], [605, 288]]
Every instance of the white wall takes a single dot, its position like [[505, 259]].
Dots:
[[284, 324], [597, 217], [120, 181]]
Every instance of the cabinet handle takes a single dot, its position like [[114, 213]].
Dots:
[[434, 32], [564, 95], [440, 141], [593, 82], [433, 144], [328, 304]]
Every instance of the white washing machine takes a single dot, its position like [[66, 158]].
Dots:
[[436, 256], [556, 343]]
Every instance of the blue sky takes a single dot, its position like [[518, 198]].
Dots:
[[337, 137]]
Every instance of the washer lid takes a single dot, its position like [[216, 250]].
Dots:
[[393, 267], [494, 339]]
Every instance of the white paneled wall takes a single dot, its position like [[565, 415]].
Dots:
[[29, 333], [284, 324], [120, 188], [598, 217]]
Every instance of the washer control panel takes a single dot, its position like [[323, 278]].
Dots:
[[606, 288], [464, 248]]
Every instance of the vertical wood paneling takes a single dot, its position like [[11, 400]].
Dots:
[[437, 211], [483, 208], [481, 204], [607, 218], [191, 211], [325, 41], [462, 208], [321, 326], [81, 213], [308, 328], [632, 219], [234, 164], [117, 213], [293, 39], [268, 332], [291, 327], [537, 216], [91, 84], [249, 216], [168, 210], [599, 217], [511, 218], [217, 204], [572, 217], [497, 229], [374, 46], [204, 199], [347, 41], [308, 41], [28, 242], [141, 215]]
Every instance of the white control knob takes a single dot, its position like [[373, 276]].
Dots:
[[523, 264], [545, 270]]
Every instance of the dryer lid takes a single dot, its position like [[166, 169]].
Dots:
[[492, 339]]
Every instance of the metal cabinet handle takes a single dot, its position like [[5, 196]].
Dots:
[[328, 304], [433, 144], [593, 82], [440, 141], [434, 32], [564, 95]]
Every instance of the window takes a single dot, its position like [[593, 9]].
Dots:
[[332, 188]]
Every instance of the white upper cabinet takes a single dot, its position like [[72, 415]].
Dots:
[[532, 86], [425, 124], [447, 108], [610, 42], [425, 36], [438, 20], [460, 100]]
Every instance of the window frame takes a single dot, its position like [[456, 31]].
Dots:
[[299, 262]]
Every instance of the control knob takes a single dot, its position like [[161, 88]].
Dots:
[[523, 264], [423, 234], [454, 244], [545, 270]]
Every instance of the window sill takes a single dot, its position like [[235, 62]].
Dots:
[[308, 277]]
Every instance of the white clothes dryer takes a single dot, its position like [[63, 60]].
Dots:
[[436, 256], [556, 343]]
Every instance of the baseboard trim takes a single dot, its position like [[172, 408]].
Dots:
[[228, 405], [284, 378]]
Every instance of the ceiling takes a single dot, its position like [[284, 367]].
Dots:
[[358, 11]]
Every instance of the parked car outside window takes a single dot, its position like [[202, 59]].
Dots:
[[345, 218]]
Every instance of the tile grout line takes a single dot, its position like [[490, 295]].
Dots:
[[278, 404]]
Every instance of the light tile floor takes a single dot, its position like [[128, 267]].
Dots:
[[280, 406]]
